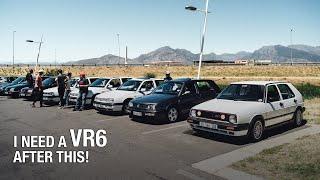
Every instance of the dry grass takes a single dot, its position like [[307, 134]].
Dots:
[[312, 113], [225, 74], [298, 160]]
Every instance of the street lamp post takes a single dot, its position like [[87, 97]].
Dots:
[[191, 8], [13, 32], [118, 35], [40, 43], [291, 30]]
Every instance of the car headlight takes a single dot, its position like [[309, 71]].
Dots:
[[12, 89], [130, 104], [193, 113], [233, 118], [152, 107]]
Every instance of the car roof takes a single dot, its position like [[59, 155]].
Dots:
[[264, 83], [144, 79]]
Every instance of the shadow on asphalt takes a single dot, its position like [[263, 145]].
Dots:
[[269, 133], [110, 113], [152, 121]]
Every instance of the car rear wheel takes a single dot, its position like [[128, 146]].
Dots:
[[298, 118], [172, 114], [256, 130]]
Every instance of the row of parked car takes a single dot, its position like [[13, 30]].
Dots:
[[242, 109]]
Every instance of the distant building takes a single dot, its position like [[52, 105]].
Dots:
[[262, 62], [242, 61], [212, 62], [166, 63]]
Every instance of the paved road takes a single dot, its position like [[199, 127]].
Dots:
[[135, 150]]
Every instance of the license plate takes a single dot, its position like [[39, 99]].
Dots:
[[208, 125], [22, 94], [137, 113], [45, 98]]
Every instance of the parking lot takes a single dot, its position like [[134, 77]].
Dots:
[[135, 150]]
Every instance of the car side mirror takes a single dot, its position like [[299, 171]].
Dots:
[[110, 86], [186, 93]]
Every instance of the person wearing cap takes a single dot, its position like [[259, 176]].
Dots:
[[61, 86], [83, 91], [168, 77], [68, 89], [38, 89]]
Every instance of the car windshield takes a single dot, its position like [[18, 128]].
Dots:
[[48, 82], [101, 82], [169, 88], [19, 79], [131, 85], [243, 92]]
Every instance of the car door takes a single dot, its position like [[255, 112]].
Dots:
[[289, 101], [274, 106], [189, 97]]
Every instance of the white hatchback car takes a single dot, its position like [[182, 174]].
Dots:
[[51, 95], [248, 108], [99, 86], [118, 99]]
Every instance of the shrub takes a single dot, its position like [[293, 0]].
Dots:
[[150, 75], [308, 90]]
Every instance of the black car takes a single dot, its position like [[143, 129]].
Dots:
[[14, 90], [47, 82], [3, 86], [173, 99]]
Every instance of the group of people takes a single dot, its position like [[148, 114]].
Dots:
[[64, 88]]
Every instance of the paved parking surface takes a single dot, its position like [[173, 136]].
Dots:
[[135, 150]]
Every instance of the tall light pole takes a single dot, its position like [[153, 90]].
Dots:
[[118, 35], [13, 32], [291, 30], [191, 8], [40, 43]]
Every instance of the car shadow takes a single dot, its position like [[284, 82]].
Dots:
[[269, 133], [152, 121], [110, 113]]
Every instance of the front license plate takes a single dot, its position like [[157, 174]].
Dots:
[[45, 98], [208, 125], [137, 113], [22, 94]]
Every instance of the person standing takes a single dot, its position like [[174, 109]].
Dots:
[[83, 91], [38, 89], [168, 77], [61, 87], [29, 78], [68, 89]]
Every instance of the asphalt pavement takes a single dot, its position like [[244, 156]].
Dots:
[[135, 149]]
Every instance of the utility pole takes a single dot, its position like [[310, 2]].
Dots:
[[126, 58], [291, 46], [118, 35], [13, 32]]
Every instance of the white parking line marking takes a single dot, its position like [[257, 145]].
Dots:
[[189, 175], [163, 129], [102, 120]]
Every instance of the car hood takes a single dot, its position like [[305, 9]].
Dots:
[[230, 106], [98, 90], [17, 86], [120, 95], [155, 98]]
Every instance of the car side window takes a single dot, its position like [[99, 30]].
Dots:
[[92, 80], [124, 80], [285, 91], [158, 82], [147, 86], [273, 94], [190, 89], [115, 83], [203, 86]]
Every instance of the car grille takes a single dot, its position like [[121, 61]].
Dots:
[[211, 115]]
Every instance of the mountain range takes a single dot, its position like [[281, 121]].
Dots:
[[276, 53]]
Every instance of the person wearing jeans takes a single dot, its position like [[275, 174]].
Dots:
[[83, 91], [68, 89]]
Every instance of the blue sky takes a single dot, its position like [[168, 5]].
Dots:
[[80, 29]]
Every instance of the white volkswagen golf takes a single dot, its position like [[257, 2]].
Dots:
[[248, 108]]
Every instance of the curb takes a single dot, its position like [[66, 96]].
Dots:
[[219, 165]]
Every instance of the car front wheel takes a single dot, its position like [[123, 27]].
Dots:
[[172, 114], [256, 131]]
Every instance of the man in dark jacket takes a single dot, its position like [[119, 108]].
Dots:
[[29, 78], [61, 87], [168, 77], [83, 91]]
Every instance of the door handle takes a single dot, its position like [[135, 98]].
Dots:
[[295, 101], [281, 104]]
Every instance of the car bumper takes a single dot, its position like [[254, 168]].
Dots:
[[101, 106], [23, 94], [51, 98], [142, 113], [73, 100], [218, 127]]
